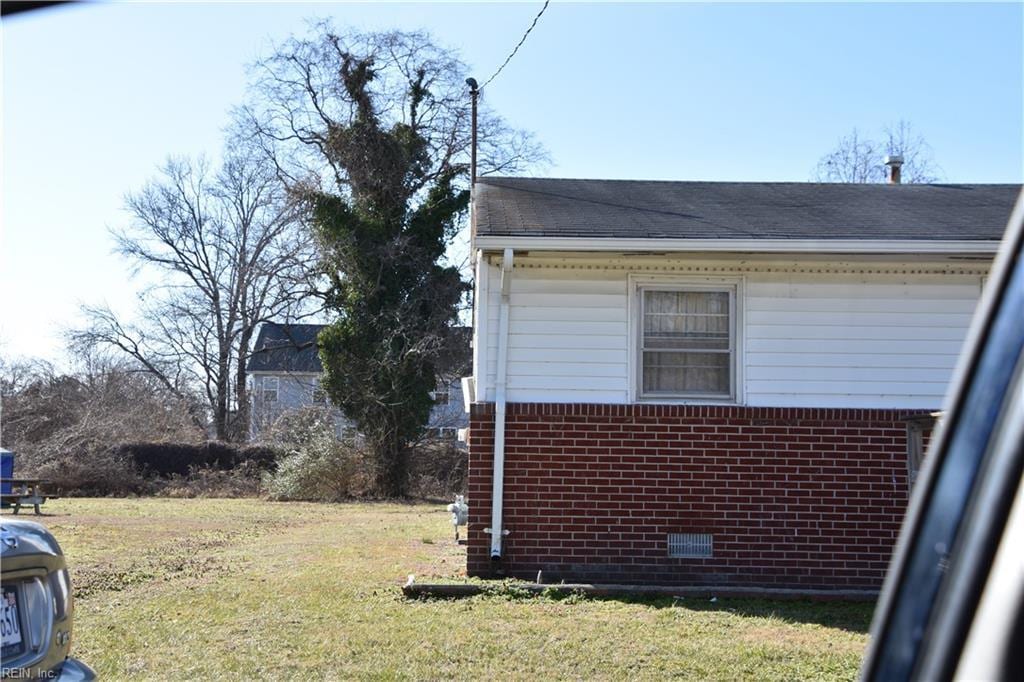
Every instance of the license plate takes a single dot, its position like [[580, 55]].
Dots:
[[10, 624]]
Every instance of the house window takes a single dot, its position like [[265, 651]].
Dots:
[[269, 390], [318, 394], [687, 342], [440, 397]]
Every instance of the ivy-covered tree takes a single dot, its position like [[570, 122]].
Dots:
[[394, 301], [373, 130]]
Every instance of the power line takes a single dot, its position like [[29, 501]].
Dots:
[[518, 45]]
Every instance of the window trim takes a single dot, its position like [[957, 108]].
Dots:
[[317, 394], [734, 286], [264, 389]]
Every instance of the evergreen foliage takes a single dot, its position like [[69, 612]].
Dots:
[[382, 242]]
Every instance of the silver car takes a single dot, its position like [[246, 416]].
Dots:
[[35, 607]]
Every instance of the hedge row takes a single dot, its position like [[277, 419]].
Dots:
[[167, 459]]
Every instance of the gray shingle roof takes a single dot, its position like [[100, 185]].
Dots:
[[641, 209], [286, 348], [293, 348]]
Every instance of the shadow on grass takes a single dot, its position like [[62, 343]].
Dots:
[[8, 514], [851, 616]]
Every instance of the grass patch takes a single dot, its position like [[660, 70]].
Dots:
[[179, 589]]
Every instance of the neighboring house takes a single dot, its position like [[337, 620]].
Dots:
[[285, 374], [285, 370], [708, 383]]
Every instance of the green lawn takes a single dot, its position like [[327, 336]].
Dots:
[[181, 589]]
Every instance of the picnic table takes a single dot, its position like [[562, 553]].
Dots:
[[24, 492]]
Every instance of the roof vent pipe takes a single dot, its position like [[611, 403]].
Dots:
[[895, 164]]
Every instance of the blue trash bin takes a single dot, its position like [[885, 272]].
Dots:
[[6, 470]]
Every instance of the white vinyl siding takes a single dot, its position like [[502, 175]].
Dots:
[[805, 339], [855, 341], [299, 390], [567, 333]]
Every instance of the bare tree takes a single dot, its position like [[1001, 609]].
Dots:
[[146, 344], [298, 104], [63, 425], [860, 160], [373, 131], [229, 253]]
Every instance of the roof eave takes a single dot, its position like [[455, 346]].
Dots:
[[825, 246]]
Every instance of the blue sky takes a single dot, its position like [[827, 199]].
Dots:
[[95, 97]]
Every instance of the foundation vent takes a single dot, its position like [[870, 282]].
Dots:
[[690, 545]]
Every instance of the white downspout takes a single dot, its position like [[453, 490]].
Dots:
[[500, 383]]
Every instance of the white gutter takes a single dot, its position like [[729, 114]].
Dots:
[[500, 384], [882, 246]]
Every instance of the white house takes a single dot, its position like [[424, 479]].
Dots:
[[706, 383], [285, 375]]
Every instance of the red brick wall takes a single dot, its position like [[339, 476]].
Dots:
[[808, 498]]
